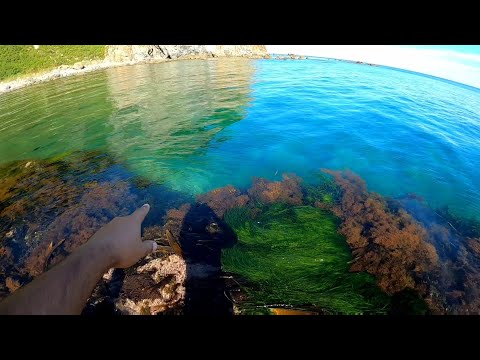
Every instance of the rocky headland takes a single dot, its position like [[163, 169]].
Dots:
[[122, 55]]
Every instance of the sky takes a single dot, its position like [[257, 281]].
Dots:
[[460, 63]]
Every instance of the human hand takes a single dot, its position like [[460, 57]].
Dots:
[[121, 239]]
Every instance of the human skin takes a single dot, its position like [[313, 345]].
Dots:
[[65, 289]]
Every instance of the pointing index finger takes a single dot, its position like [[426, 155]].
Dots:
[[141, 212]]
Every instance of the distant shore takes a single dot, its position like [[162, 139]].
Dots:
[[88, 66], [22, 66], [70, 70]]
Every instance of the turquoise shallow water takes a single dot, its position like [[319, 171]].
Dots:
[[197, 125]]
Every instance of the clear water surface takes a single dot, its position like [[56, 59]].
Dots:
[[197, 125]]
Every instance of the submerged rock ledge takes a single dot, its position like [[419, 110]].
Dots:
[[121, 55]]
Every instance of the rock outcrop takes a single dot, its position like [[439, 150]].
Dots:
[[120, 55], [124, 53], [251, 51], [127, 53]]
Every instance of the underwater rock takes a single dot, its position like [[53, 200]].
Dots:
[[7, 263], [74, 227], [158, 234], [154, 288], [106, 292], [33, 191], [154, 233], [174, 220], [178, 214], [288, 190], [460, 282], [47, 210], [203, 234], [457, 285], [6, 259], [200, 236]]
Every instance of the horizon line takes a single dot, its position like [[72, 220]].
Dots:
[[358, 62]]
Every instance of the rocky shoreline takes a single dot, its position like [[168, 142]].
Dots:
[[79, 68], [59, 72], [123, 55]]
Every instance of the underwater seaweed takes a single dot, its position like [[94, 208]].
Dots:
[[178, 214], [293, 255], [468, 227], [174, 220], [34, 192], [323, 194], [288, 190], [6, 261], [388, 244], [49, 207], [474, 246], [12, 284], [222, 199], [456, 285], [98, 205], [155, 233]]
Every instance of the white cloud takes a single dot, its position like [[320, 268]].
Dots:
[[446, 64]]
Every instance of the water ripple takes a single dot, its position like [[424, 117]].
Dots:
[[196, 125]]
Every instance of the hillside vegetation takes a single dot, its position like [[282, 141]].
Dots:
[[18, 60]]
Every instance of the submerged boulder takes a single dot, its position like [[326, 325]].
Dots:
[[153, 288]]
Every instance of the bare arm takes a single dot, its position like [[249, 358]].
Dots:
[[65, 288]]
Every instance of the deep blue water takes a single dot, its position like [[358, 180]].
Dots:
[[197, 125]]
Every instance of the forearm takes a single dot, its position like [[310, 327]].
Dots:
[[66, 288], [63, 289]]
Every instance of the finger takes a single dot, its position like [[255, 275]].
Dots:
[[149, 246], [141, 212]]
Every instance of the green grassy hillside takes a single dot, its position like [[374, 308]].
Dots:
[[19, 60]]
